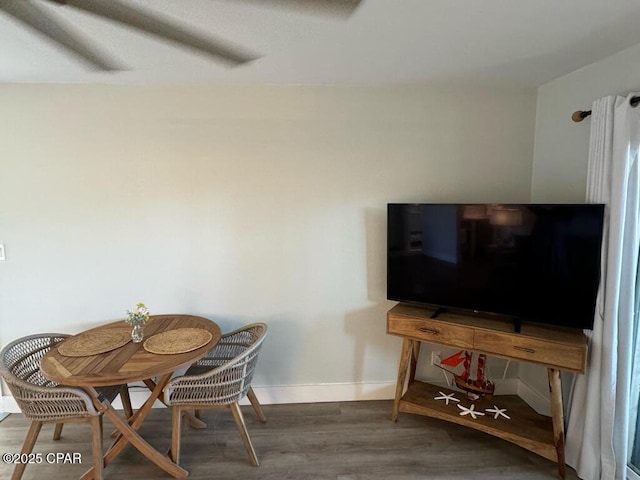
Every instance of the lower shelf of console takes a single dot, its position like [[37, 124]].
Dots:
[[526, 428]]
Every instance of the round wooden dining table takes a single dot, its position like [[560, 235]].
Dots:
[[129, 363]]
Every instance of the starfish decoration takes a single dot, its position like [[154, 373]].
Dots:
[[470, 411], [446, 397], [498, 412]]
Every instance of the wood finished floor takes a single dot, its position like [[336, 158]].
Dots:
[[336, 441]]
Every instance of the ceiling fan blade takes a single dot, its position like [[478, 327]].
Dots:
[[343, 8], [154, 24], [43, 22]]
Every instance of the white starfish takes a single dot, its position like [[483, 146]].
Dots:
[[498, 412], [470, 411], [446, 397]]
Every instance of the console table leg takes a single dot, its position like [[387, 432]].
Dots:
[[406, 357], [413, 362], [557, 416]]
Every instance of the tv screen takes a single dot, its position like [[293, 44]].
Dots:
[[532, 262]]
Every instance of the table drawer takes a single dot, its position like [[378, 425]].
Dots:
[[564, 357], [431, 331]]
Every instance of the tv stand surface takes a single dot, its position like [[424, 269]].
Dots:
[[555, 348]]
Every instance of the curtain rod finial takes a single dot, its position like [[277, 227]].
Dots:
[[579, 116]]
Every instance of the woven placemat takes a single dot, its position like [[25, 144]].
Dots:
[[180, 340], [93, 343]]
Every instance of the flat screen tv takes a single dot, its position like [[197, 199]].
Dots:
[[529, 262]]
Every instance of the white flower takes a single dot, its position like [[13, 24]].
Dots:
[[138, 316]]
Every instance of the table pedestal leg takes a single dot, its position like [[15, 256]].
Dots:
[[128, 434]]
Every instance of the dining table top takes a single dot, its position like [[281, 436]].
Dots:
[[130, 362]]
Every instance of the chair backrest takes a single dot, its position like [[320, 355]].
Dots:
[[21, 358], [38, 397], [236, 357]]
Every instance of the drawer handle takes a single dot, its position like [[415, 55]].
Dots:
[[432, 331], [525, 349]]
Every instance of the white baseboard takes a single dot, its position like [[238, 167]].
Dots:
[[331, 392], [324, 392], [538, 401]]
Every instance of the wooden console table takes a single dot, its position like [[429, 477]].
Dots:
[[555, 348]]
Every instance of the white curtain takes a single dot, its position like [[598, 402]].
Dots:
[[598, 413]]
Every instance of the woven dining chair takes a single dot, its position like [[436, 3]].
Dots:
[[43, 401], [219, 380]]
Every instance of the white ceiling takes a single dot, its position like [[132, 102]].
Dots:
[[385, 41]]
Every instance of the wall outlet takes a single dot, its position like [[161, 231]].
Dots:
[[2, 257], [436, 357]]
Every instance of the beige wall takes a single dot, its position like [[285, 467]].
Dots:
[[240, 204], [561, 145]]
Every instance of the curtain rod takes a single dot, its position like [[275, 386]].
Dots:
[[581, 115]]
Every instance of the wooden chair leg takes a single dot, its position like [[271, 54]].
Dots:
[[256, 405], [237, 416], [57, 433], [195, 420], [27, 446], [96, 437], [176, 427], [126, 401]]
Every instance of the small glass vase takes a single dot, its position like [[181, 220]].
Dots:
[[136, 333]]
